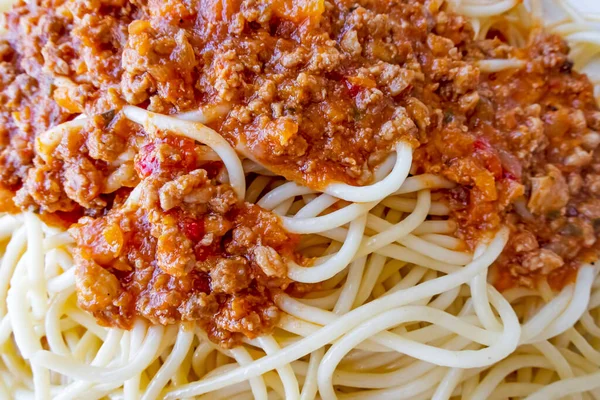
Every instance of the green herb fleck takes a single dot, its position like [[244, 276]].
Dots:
[[448, 116], [571, 230]]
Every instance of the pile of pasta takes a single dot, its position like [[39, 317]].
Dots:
[[402, 310]]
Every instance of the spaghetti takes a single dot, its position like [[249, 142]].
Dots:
[[401, 309]]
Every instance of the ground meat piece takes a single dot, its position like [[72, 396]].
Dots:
[[173, 193], [224, 197], [174, 252], [468, 102], [575, 183], [158, 60], [529, 137], [294, 58], [419, 113], [395, 79], [577, 120], [401, 125], [524, 241], [591, 140], [16, 159], [255, 11], [83, 183], [549, 192], [592, 184], [439, 45], [590, 208], [104, 144], [242, 238], [351, 44], [543, 260], [269, 261], [550, 51], [230, 275], [159, 304], [464, 78], [238, 315], [324, 59], [217, 224], [43, 190], [579, 228], [228, 72], [268, 91], [97, 288], [198, 306], [136, 87], [578, 158], [368, 97]]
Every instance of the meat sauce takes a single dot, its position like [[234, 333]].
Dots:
[[187, 250], [536, 132], [319, 92]]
